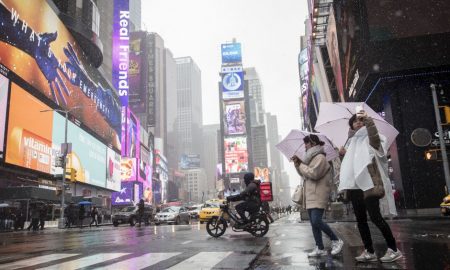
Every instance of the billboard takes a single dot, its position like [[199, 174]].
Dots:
[[262, 174], [29, 133], [124, 196], [131, 135], [40, 49], [231, 53], [88, 156], [303, 63], [120, 49], [191, 161], [113, 176], [137, 72], [333, 52], [128, 169], [236, 156], [4, 86], [235, 121], [232, 83]]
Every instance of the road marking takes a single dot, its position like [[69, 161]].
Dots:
[[203, 260], [140, 262], [86, 261], [187, 242], [277, 243], [35, 261]]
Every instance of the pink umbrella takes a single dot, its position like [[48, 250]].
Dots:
[[333, 121], [293, 145]]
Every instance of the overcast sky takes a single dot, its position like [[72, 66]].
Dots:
[[269, 31]]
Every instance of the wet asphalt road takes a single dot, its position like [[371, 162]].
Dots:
[[425, 245]]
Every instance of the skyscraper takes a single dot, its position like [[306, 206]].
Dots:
[[210, 156], [256, 98], [170, 77]]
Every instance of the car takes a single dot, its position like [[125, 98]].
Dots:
[[130, 215], [194, 210], [173, 215], [209, 210], [445, 206]]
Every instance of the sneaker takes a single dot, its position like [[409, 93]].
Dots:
[[317, 252], [366, 257], [336, 246], [391, 256]]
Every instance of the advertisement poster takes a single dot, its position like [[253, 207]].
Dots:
[[303, 62], [131, 135], [234, 121], [113, 177], [137, 73], [236, 156], [37, 46], [231, 53], [189, 162], [124, 196], [120, 49], [232, 84], [262, 174], [88, 155], [128, 169], [29, 134], [157, 191], [333, 52], [4, 84]]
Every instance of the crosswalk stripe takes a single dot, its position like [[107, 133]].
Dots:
[[140, 262], [186, 242], [86, 261], [203, 260], [35, 261]]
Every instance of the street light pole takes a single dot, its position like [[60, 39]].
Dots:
[[61, 222]]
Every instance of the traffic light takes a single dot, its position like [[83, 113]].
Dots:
[[432, 154], [445, 115], [71, 173]]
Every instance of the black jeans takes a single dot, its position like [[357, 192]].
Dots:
[[251, 207], [371, 205]]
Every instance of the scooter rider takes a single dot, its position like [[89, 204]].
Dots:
[[250, 195]]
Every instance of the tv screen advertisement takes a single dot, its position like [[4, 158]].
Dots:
[[120, 49], [4, 86], [57, 68], [128, 169], [124, 196], [232, 83], [131, 135], [231, 53], [236, 155], [113, 177], [137, 73], [234, 114], [190, 161]]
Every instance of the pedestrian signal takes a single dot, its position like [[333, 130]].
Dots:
[[433, 154]]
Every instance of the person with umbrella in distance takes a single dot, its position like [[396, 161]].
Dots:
[[94, 216], [81, 214], [316, 172], [364, 177]]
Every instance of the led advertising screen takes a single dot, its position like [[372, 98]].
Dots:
[[333, 52], [40, 49], [262, 174], [137, 73], [190, 161], [128, 169], [124, 196], [120, 48], [88, 156], [113, 176], [131, 135], [4, 86], [29, 133], [231, 53], [236, 155], [235, 121], [232, 83]]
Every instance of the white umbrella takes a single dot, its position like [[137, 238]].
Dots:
[[333, 121], [293, 145]]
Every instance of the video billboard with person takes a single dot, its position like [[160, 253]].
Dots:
[[235, 121], [236, 155]]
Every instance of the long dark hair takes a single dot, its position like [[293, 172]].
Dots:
[[313, 139]]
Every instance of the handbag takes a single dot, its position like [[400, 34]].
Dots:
[[297, 197], [378, 188]]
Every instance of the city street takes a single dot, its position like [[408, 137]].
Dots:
[[424, 243]]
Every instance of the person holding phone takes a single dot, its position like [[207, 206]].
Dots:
[[364, 177], [316, 172]]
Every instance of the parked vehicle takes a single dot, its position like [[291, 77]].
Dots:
[[258, 224], [445, 206], [173, 215], [130, 215], [194, 210]]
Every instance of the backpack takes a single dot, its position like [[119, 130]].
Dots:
[[264, 190]]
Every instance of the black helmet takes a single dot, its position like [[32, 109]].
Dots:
[[249, 177]]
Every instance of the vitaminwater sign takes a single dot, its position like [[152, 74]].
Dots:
[[121, 48]]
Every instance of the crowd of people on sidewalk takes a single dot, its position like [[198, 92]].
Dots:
[[368, 190]]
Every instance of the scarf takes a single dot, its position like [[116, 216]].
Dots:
[[312, 152]]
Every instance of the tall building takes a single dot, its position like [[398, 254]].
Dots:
[[189, 103], [256, 99], [196, 184], [209, 156], [259, 146], [170, 78]]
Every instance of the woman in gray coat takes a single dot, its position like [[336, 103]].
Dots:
[[316, 172]]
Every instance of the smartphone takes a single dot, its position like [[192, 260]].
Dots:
[[359, 108]]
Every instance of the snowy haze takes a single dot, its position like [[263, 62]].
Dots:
[[269, 31]]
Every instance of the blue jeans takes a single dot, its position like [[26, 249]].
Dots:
[[318, 226]]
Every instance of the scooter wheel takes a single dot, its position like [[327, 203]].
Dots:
[[215, 227]]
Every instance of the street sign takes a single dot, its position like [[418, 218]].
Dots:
[[66, 148]]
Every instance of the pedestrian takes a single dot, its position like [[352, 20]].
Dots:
[[81, 213], [94, 216], [35, 214], [315, 170], [141, 207], [364, 177], [42, 215]]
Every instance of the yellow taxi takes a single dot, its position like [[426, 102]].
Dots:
[[210, 209], [445, 206]]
